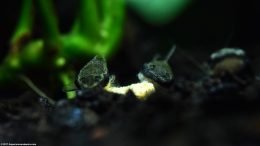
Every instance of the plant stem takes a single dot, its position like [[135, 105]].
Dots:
[[23, 29], [75, 28], [112, 23], [66, 79], [50, 24], [35, 88], [89, 19]]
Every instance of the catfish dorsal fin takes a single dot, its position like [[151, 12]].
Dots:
[[170, 53]]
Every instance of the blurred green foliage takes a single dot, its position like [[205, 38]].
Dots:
[[96, 31], [159, 11]]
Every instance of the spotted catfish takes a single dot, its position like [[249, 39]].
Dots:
[[93, 74], [158, 70]]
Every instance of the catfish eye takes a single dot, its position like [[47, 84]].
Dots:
[[97, 78], [152, 66], [84, 80], [166, 75]]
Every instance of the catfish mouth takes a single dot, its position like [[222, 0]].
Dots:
[[160, 78]]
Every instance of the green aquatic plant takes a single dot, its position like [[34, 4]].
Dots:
[[159, 12], [96, 31]]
